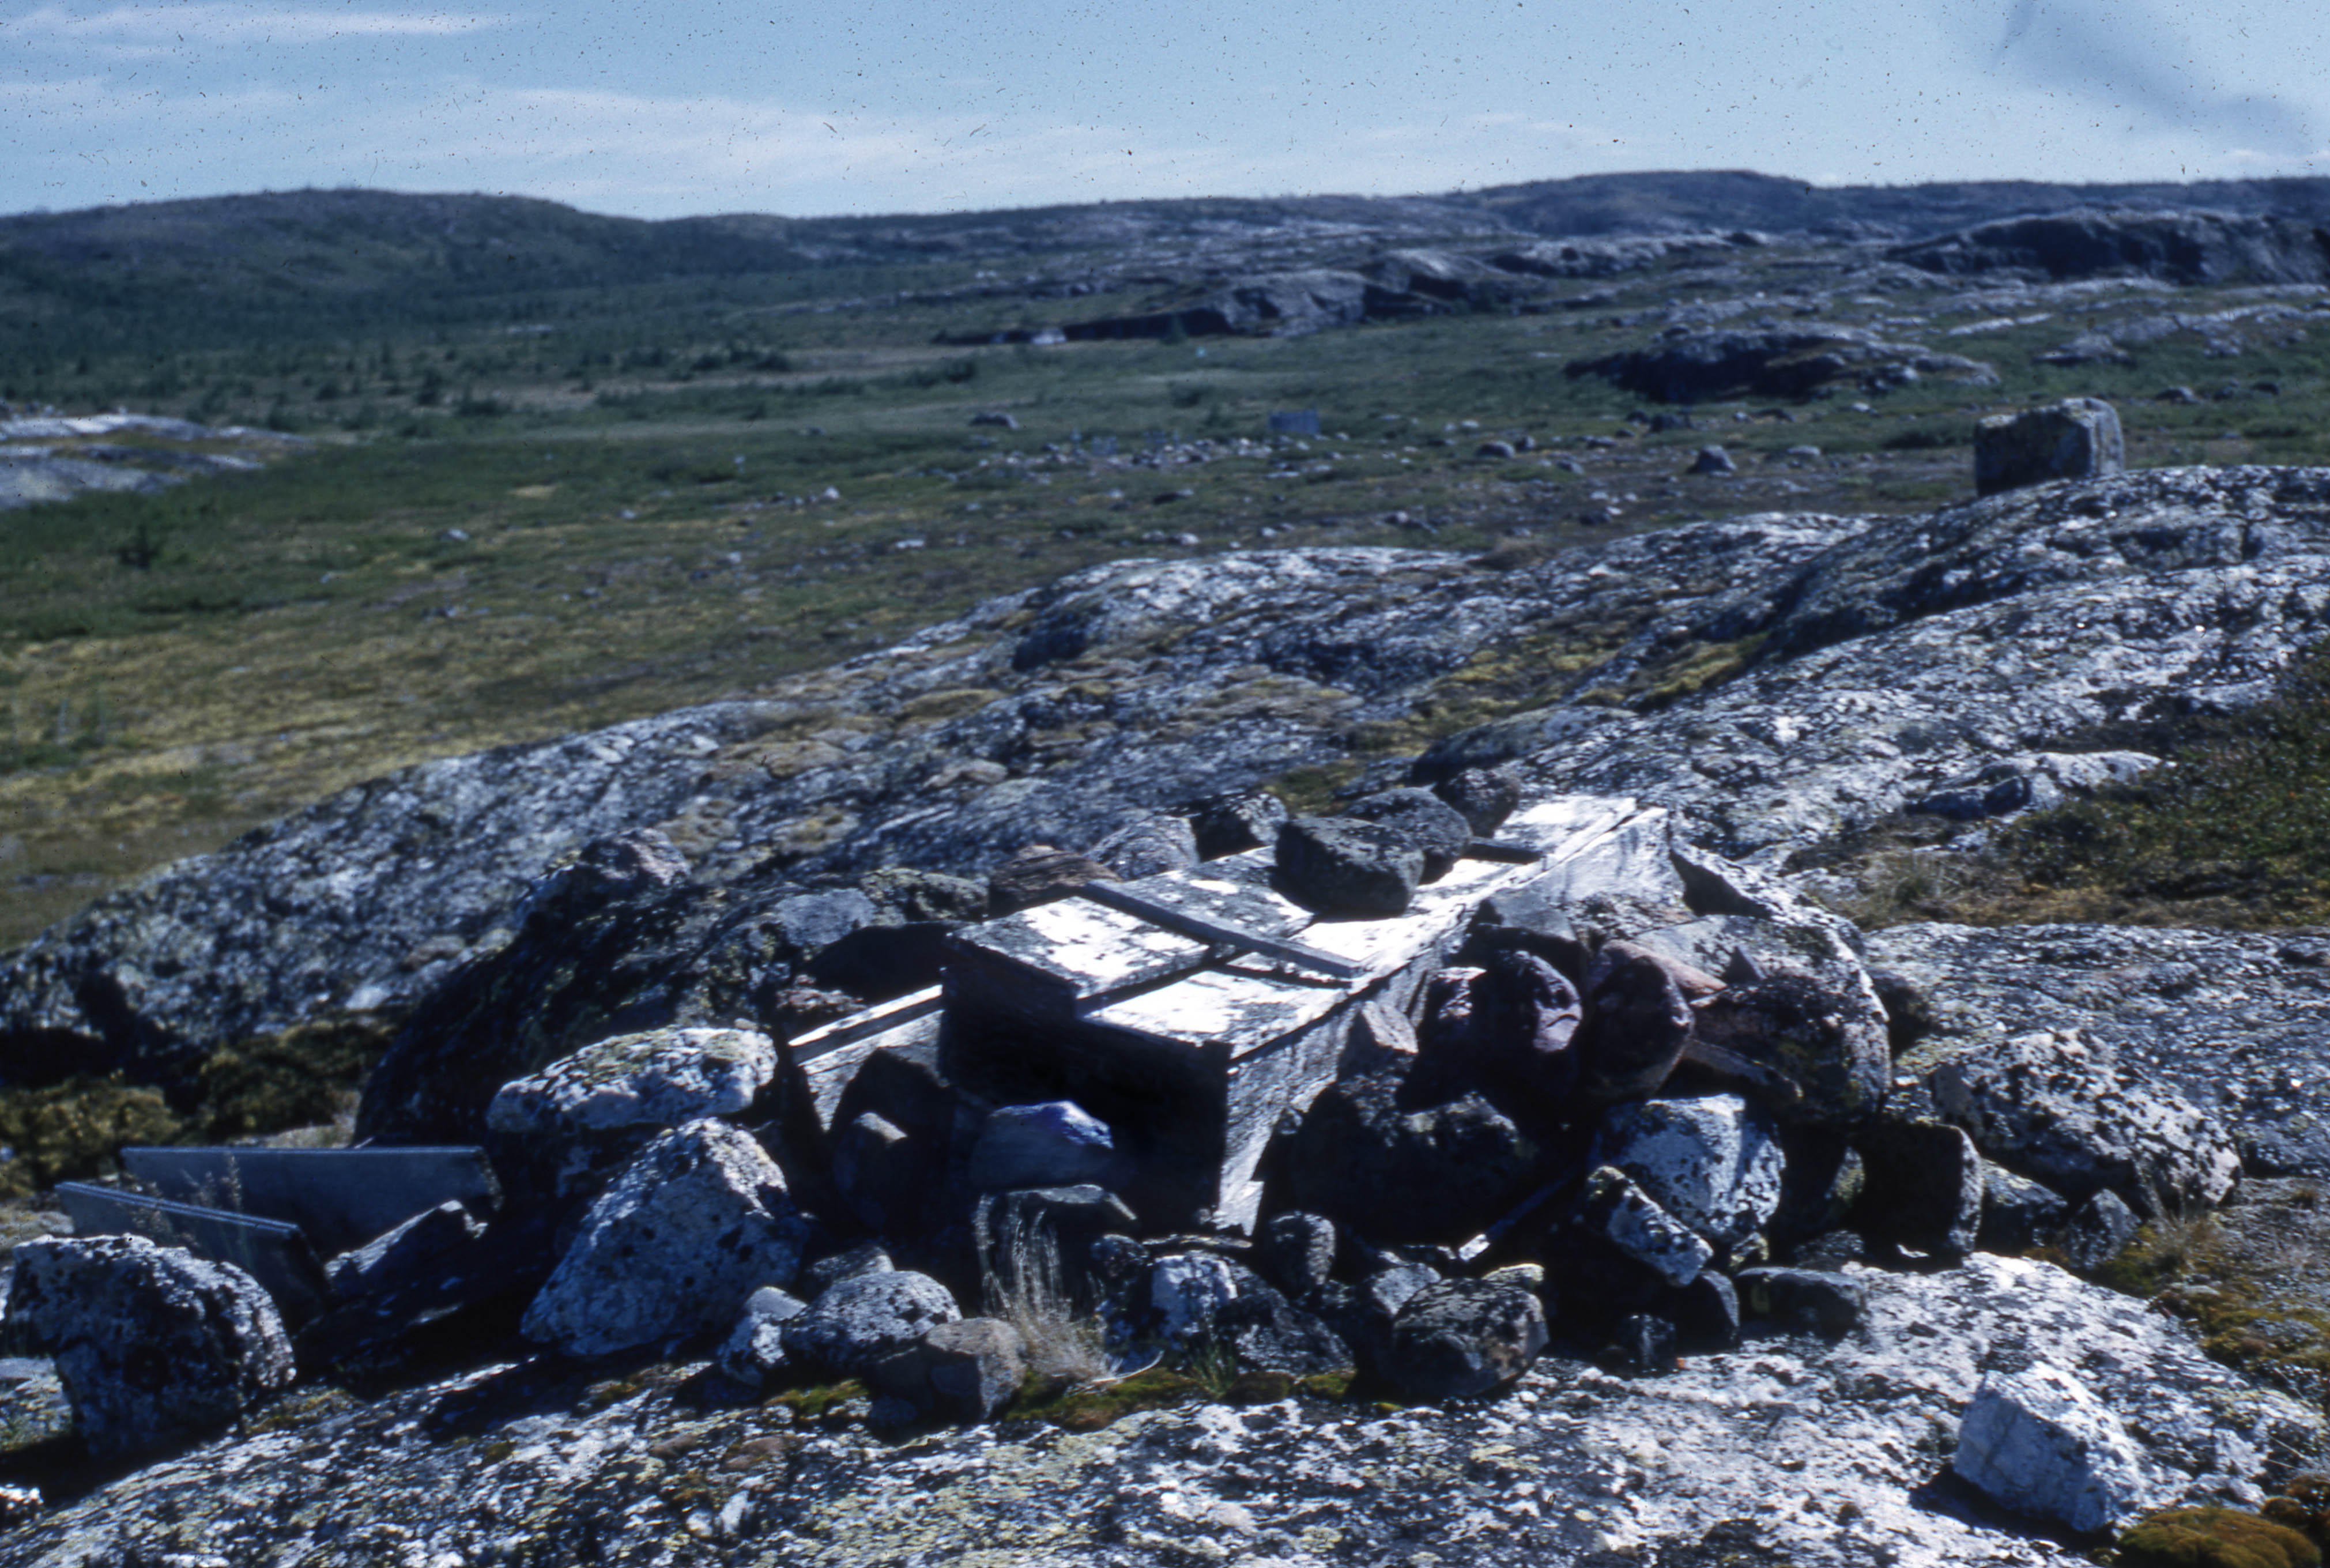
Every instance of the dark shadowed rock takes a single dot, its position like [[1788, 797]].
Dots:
[[1713, 460], [1804, 1299], [1422, 818], [1819, 1026], [1637, 1023], [1924, 1185], [1337, 866], [583, 968], [2176, 247], [753, 1354], [1057, 1144], [1508, 1029], [1232, 823], [1297, 1252], [1397, 1170], [2098, 1231], [1690, 364], [1463, 1337], [2017, 1212], [157, 1347]]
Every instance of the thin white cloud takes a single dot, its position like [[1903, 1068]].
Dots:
[[241, 24]]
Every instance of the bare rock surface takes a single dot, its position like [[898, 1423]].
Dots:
[[1766, 1444]]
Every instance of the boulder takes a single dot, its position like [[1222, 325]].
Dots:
[[155, 1348], [1337, 866], [1147, 846], [1508, 1029], [880, 963], [913, 895], [588, 1113], [1187, 1291], [1713, 460], [697, 1221], [1297, 1252], [2075, 438], [1713, 1163], [1462, 1339], [1694, 365], [1234, 822], [1040, 874], [1614, 1211], [1424, 819], [1924, 1186], [1057, 1144], [2017, 1212], [854, 1326], [1637, 1023], [2038, 1442], [823, 1274], [1705, 1314], [2049, 1105], [967, 1370], [1818, 1026], [2098, 1231], [755, 1351], [883, 1173], [1403, 1167], [2029, 781], [1484, 796]]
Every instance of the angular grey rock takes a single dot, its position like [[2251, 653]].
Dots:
[[1612, 1209], [1484, 796], [1147, 846], [2017, 1212], [850, 1328], [1462, 1339], [2038, 1442], [1810, 1299], [2078, 438], [2048, 1105], [590, 1111], [1924, 1185], [1422, 818], [755, 1351], [1057, 1144], [1713, 1163], [1713, 460], [155, 1348], [965, 1370], [2098, 1231], [697, 1221], [1337, 866], [1817, 1027], [2031, 780], [1297, 1252], [1187, 1291]]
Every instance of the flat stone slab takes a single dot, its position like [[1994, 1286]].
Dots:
[[279, 1256], [342, 1198]]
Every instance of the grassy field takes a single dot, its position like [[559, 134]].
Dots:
[[586, 505]]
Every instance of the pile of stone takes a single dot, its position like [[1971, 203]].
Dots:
[[1403, 1096]]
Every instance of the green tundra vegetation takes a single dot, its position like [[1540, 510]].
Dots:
[[535, 489]]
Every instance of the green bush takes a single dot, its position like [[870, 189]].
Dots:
[[73, 1129]]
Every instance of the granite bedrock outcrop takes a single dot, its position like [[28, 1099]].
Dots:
[[1873, 661]]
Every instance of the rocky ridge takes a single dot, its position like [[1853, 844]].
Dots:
[[1813, 674]]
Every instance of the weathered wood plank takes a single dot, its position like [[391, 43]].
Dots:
[[341, 1198], [1191, 921], [278, 1255]]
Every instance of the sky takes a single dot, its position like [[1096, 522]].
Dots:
[[668, 108]]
